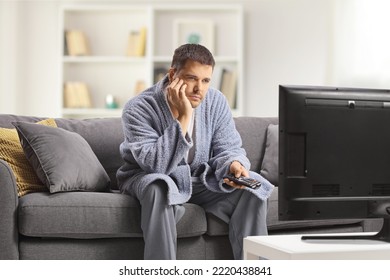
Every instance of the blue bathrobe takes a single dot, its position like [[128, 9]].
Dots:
[[154, 147]]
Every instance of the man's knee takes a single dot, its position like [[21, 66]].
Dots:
[[252, 202], [156, 191]]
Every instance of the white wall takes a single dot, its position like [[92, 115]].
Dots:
[[8, 57], [362, 43], [29, 56], [286, 42]]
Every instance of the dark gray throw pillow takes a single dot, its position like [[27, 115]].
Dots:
[[270, 166], [62, 160]]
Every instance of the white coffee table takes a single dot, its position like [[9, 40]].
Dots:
[[291, 247]]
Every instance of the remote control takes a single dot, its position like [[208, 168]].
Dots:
[[245, 181]]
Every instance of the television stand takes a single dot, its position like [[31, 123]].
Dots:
[[382, 235]]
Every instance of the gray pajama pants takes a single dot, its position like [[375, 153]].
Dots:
[[243, 211]]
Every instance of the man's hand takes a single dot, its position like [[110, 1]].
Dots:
[[180, 105], [237, 170]]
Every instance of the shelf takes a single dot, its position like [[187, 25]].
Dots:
[[107, 70], [218, 59], [102, 59]]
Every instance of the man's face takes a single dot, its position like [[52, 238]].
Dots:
[[197, 77]]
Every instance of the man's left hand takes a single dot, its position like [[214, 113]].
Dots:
[[237, 170]]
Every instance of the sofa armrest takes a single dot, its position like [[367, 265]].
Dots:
[[8, 213]]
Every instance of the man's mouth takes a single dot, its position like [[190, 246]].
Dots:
[[194, 97]]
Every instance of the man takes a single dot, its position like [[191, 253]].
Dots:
[[180, 141]]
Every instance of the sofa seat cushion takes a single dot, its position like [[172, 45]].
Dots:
[[88, 215], [215, 226]]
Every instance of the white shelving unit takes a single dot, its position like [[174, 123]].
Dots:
[[109, 71]]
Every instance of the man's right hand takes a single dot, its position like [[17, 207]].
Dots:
[[180, 105]]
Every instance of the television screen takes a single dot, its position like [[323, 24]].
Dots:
[[334, 153]]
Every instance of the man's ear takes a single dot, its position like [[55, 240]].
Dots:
[[171, 74]]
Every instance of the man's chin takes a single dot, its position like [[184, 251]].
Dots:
[[195, 104]]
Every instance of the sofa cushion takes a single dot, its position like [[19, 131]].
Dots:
[[253, 133], [11, 152], [193, 223], [63, 160], [215, 226], [104, 135], [79, 215], [93, 215], [270, 166]]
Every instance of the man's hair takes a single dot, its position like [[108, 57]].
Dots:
[[193, 52]]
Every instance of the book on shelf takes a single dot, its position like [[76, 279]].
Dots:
[[76, 95], [66, 52], [137, 42], [139, 87], [76, 43], [228, 86]]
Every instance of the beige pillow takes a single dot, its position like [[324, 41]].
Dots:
[[11, 152]]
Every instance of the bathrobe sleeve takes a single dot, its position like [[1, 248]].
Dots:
[[157, 148], [226, 146], [153, 149]]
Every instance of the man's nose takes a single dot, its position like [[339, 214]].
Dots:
[[198, 86]]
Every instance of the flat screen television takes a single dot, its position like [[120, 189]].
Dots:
[[334, 155]]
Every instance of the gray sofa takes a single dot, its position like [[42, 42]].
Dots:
[[106, 225]]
